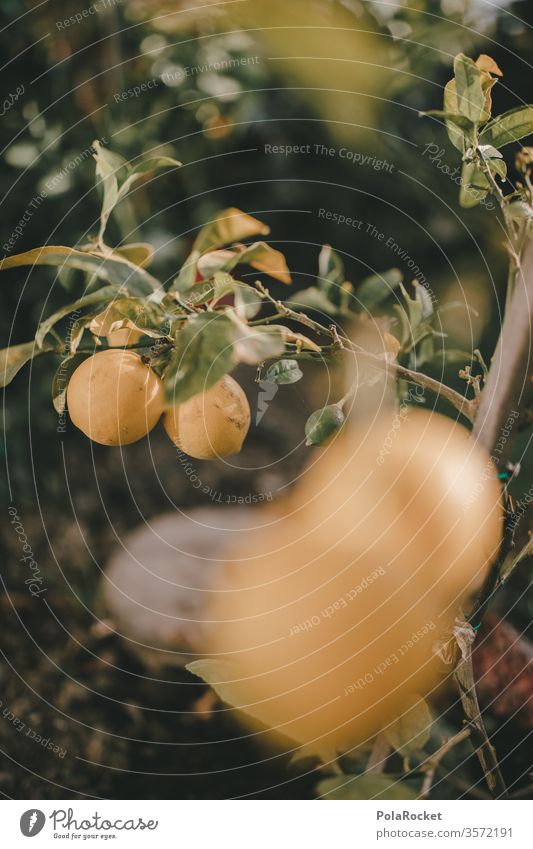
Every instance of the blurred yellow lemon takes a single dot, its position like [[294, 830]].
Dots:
[[333, 610]]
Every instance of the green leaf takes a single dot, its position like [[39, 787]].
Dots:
[[330, 273], [253, 345], [108, 166], [138, 253], [422, 295], [425, 352], [186, 279], [469, 91], [450, 117], [487, 151], [284, 372], [322, 425], [211, 290], [366, 787], [474, 185], [313, 299], [223, 679], [230, 225], [114, 270], [61, 378], [204, 353], [374, 290], [415, 312], [455, 134], [117, 177], [146, 317], [247, 300], [509, 127], [411, 729], [100, 298], [12, 359], [498, 168], [210, 263], [403, 322], [146, 166]]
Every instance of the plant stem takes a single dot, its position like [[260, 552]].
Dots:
[[379, 755], [429, 767], [464, 677]]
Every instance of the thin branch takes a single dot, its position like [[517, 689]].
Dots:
[[430, 766], [379, 755], [464, 677]]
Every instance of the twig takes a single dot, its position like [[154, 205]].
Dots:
[[508, 384], [378, 756], [283, 311], [430, 766], [464, 677]]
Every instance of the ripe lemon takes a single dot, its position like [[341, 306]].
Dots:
[[102, 325], [211, 424], [333, 610], [114, 398]]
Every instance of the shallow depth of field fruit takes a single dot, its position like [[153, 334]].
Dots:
[[114, 398], [335, 608], [211, 424]]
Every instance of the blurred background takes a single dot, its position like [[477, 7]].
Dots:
[[289, 111]]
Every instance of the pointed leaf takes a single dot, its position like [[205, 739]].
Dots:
[[509, 127], [455, 134], [374, 290], [474, 185], [486, 63], [186, 279], [142, 169], [138, 253], [330, 273], [100, 297], [247, 300], [314, 299], [108, 166], [117, 271], [470, 97], [263, 258], [12, 359], [230, 225]]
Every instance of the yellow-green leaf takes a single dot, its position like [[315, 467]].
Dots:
[[411, 729], [12, 359], [509, 127], [117, 271], [138, 253], [230, 225]]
